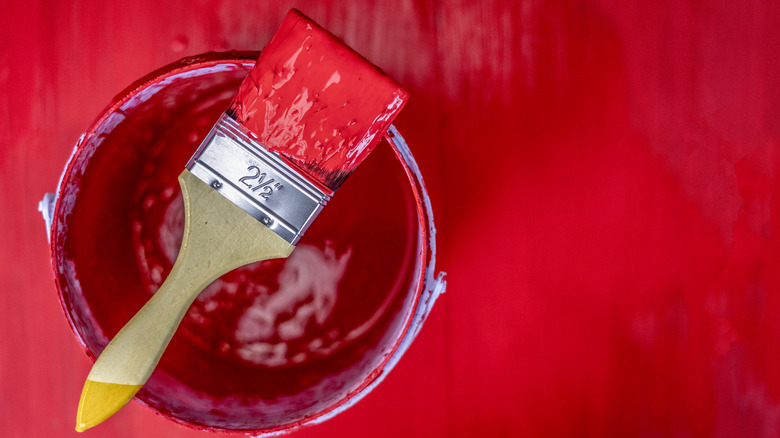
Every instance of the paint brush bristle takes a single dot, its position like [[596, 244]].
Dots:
[[316, 102]]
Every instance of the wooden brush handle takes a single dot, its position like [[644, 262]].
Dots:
[[218, 237]]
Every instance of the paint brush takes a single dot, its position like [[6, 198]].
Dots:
[[307, 115]]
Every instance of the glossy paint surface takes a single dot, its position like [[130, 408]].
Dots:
[[269, 345], [605, 181]]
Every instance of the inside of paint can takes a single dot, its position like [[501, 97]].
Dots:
[[266, 346]]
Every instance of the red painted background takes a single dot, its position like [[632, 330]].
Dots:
[[605, 177]]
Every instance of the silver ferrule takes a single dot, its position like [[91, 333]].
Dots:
[[256, 180]]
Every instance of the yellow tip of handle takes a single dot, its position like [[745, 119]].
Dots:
[[100, 400]]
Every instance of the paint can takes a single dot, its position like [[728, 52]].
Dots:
[[269, 347]]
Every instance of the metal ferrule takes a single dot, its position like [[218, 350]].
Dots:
[[256, 180]]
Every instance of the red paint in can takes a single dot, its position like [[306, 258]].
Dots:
[[269, 346]]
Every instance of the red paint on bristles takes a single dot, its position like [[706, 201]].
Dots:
[[316, 102]]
